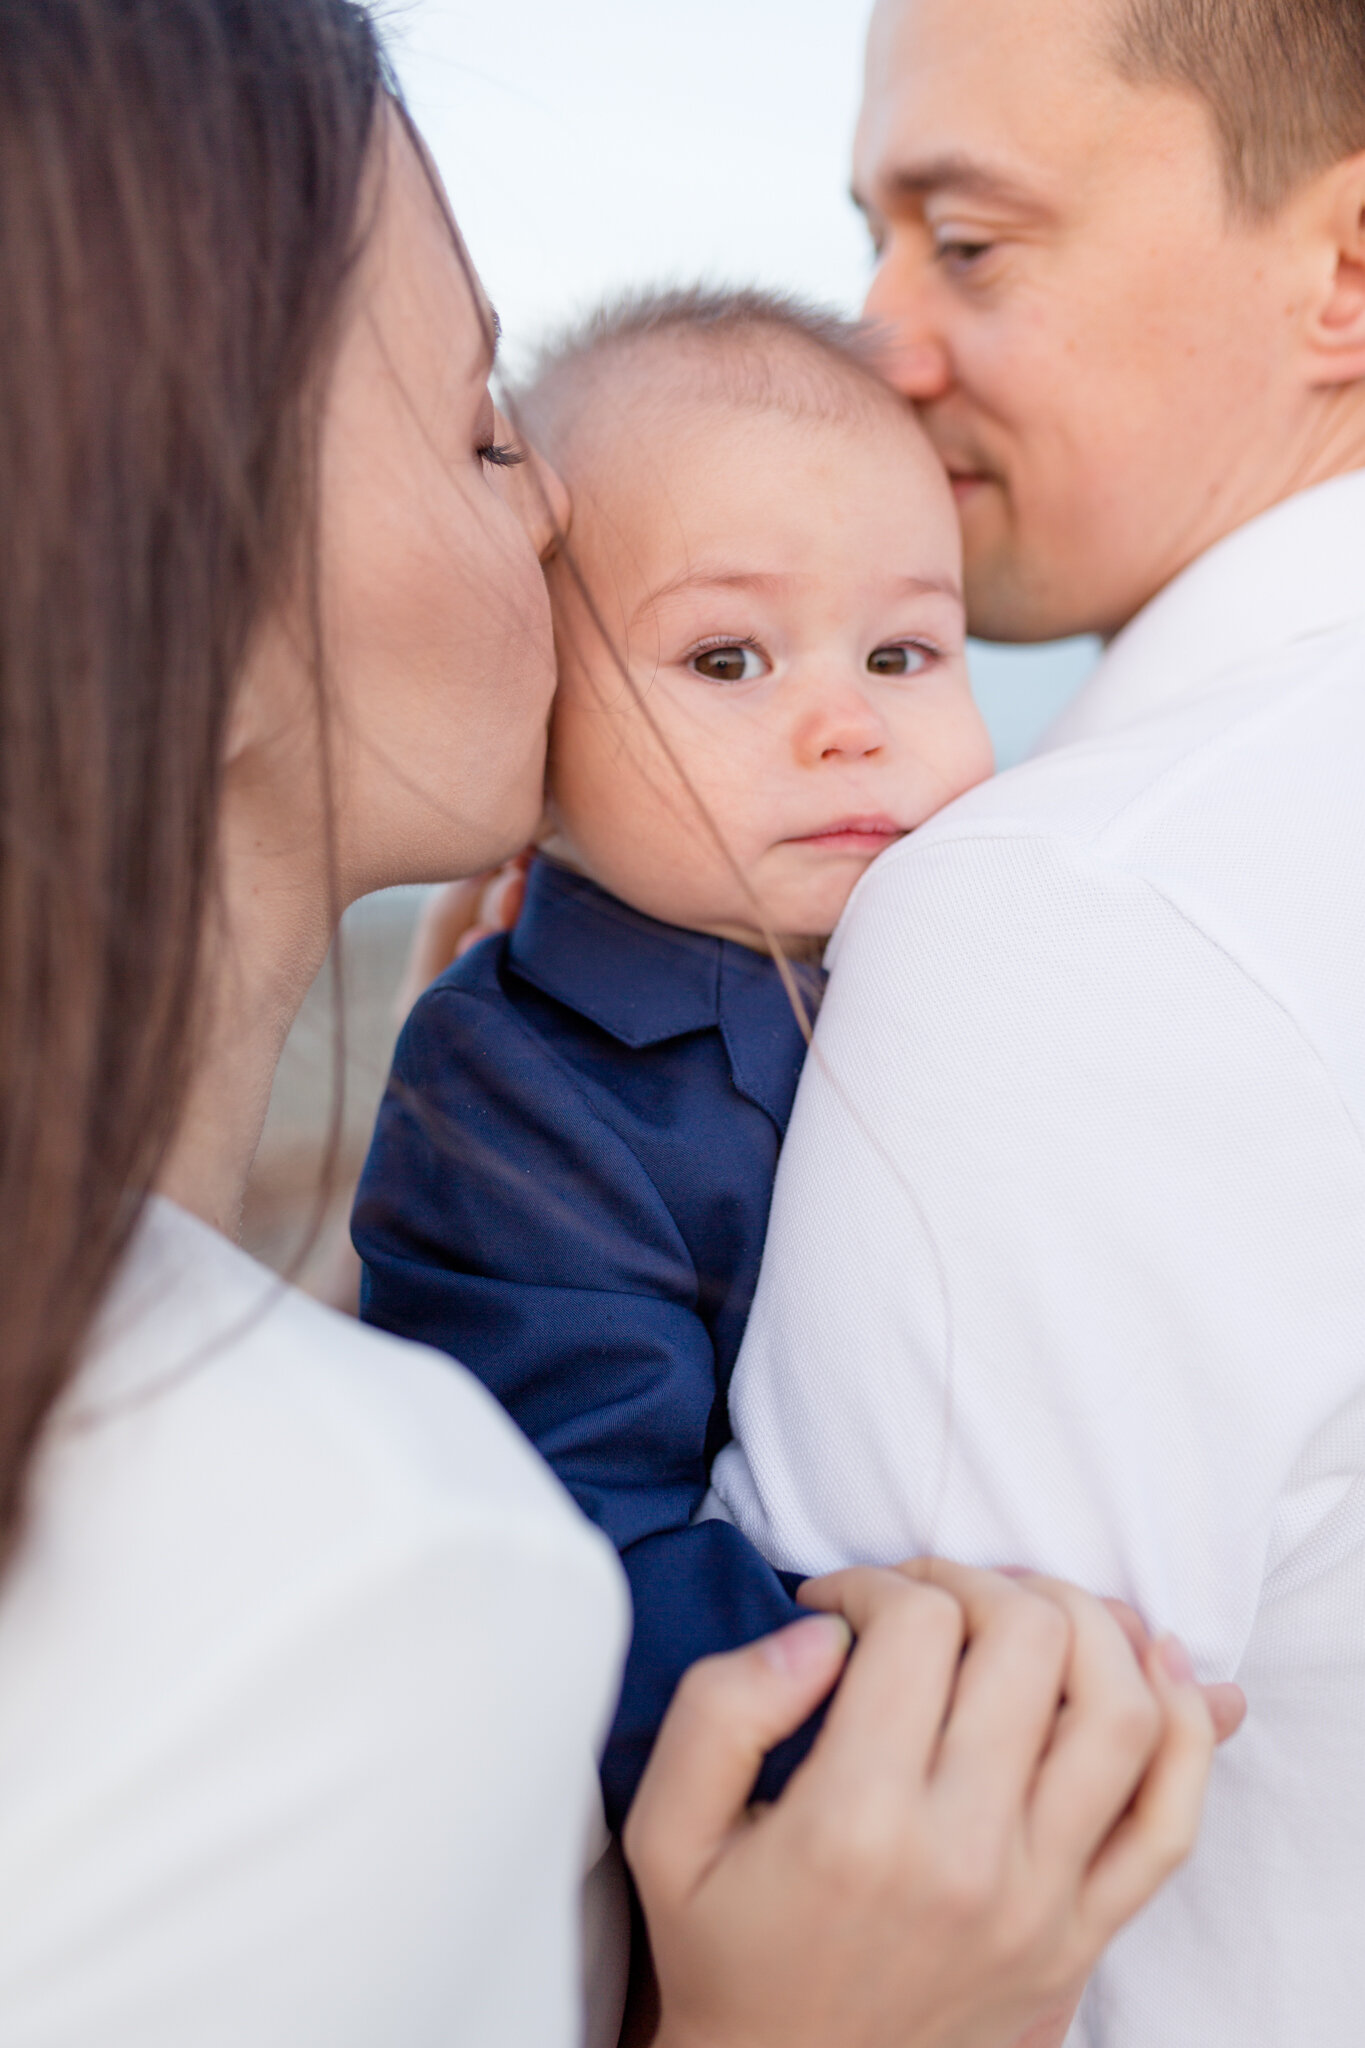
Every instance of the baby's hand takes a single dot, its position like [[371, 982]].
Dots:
[[456, 917]]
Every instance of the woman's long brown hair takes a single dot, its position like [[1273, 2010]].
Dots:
[[180, 190]]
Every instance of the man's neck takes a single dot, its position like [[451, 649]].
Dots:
[[1327, 442]]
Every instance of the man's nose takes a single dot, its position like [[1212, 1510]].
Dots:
[[901, 303], [840, 723]]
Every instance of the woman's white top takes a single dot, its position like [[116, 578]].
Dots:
[[304, 1662]]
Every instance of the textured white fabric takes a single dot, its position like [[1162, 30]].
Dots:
[[303, 1663], [1067, 1257]]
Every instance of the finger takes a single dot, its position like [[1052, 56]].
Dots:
[[502, 900], [1052, 2030], [900, 1679], [1157, 1835], [1128, 1618], [446, 915], [727, 1713], [475, 936], [1133, 1626], [1008, 1691], [447, 912], [1106, 1735], [1227, 1705]]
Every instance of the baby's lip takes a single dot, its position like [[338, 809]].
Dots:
[[875, 827]]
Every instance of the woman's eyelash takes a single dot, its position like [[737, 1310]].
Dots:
[[501, 455]]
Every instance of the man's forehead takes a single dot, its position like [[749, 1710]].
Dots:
[[993, 92]]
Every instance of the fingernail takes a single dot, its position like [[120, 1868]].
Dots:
[[806, 1646], [1175, 1660]]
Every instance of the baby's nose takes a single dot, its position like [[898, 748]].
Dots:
[[841, 723]]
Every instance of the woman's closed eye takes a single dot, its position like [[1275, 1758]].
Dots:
[[728, 661], [902, 658]]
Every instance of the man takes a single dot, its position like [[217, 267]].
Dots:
[[1066, 1265]]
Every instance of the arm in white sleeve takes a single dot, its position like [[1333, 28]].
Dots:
[[366, 1828], [1067, 1254], [369, 1829], [303, 1665]]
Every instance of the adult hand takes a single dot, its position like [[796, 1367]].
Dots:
[[1227, 1703], [454, 918], [998, 1787]]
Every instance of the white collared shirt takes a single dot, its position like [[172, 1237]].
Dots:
[[1066, 1265], [304, 1658]]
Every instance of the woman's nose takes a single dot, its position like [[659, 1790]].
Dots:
[[538, 494], [914, 356]]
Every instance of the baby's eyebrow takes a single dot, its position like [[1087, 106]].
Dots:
[[770, 579], [716, 579], [931, 586]]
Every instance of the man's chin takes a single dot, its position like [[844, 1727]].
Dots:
[[1008, 599], [1005, 603]]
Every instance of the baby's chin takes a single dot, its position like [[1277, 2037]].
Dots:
[[809, 906]]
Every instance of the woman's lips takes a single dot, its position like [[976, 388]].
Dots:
[[966, 483], [855, 835]]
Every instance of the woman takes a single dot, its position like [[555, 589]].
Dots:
[[302, 1657]]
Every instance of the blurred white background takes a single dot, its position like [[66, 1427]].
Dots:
[[590, 145]]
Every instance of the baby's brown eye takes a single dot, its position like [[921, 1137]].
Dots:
[[897, 661], [737, 664]]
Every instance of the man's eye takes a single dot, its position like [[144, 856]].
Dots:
[[961, 252], [733, 664], [905, 658]]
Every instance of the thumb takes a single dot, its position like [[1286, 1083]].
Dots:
[[727, 1713]]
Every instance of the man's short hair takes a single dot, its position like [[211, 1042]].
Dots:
[[1285, 80]]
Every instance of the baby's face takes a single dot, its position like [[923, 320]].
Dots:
[[786, 593]]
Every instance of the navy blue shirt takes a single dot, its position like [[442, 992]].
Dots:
[[567, 1190]]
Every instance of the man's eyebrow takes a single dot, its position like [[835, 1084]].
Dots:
[[953, 173]]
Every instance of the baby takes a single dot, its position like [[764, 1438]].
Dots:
[[762, 686]]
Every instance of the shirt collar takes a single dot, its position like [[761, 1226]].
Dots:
[[645, 982], [1296, 572], [640, 980]]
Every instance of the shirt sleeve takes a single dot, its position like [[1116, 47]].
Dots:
[[502, 1221], [1065, 1253], [358, 1823]]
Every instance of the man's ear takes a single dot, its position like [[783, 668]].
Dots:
[[1336, 337]]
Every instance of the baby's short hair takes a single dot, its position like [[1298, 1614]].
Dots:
[[747, 347]]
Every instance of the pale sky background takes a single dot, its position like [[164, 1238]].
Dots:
[[590, 145]]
